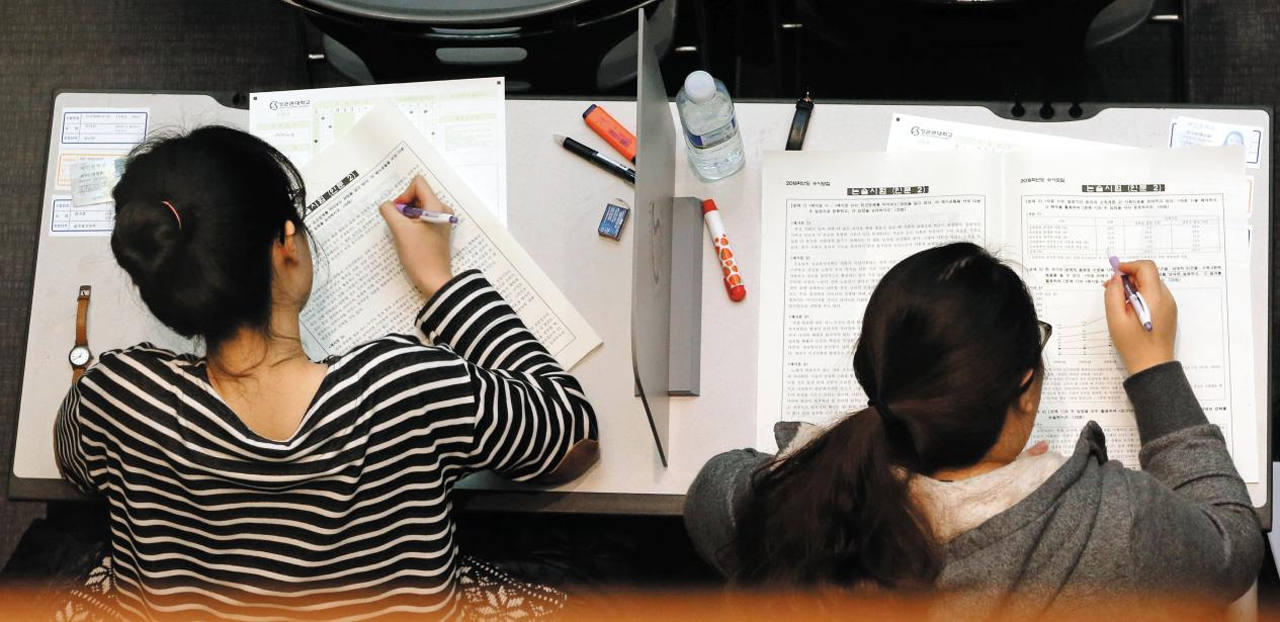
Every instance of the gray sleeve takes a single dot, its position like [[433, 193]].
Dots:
[[713, 502], [1194, 529]]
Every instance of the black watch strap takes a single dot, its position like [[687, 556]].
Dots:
[[800, 123]]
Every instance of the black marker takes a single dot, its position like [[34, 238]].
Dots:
[[593, 156]]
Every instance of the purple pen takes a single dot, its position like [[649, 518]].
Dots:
[[1135, 297], [424, 215]]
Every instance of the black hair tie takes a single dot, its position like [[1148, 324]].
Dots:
[[897, 433], [886, 415]]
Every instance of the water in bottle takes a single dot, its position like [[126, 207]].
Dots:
[[710, 127]]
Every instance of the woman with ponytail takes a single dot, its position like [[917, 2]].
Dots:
[[929, 486]]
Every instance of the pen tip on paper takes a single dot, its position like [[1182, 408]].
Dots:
[[559, 138]]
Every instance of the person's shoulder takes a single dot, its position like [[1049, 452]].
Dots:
[[393, 351], [144, 354], [730, 471], [139, 370], [1091, 472]]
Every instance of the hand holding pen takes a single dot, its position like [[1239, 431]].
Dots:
[[1142, 315], [425, 215], [421, 243]]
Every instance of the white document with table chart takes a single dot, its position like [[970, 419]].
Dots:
[[361, 291], [833, 224]]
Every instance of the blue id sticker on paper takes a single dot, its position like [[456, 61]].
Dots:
[[615, 216]]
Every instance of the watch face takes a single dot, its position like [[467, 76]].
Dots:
[[79, 356]]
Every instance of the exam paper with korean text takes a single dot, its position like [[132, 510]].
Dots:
[[833, 224], [361, 291]]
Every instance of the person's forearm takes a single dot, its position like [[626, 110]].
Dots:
[[581, 457], [1163, 401], [1202, 500]]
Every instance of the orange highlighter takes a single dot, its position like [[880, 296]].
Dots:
[[724, 252], [611, 131]]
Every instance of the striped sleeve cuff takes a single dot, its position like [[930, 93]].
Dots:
[[469, 316]]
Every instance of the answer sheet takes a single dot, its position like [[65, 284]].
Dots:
[[831, 225], [362, 293], [912, 133], [465, 120]]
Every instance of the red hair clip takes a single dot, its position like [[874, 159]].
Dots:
[[175, 213]]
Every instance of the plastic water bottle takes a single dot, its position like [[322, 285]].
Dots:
[[710, 127]]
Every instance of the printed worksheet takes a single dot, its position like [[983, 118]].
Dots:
[[1065, 214], [361, 291], [465, 120], [833, 224]]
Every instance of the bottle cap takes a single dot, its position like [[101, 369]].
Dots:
[[700, 86]]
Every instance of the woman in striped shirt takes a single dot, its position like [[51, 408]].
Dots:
[[254, 483]]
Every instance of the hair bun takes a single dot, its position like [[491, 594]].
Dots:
[[146, 239], [148, 243], [197, 215]]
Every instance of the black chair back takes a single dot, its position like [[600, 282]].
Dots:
[[563, 47]]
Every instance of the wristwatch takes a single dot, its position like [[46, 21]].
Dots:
[[80, 354]]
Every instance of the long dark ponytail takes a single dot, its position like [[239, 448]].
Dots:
[[947, 339]]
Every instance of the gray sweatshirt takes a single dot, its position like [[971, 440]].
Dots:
[[1183, 525]]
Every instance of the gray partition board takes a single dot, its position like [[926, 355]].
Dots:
[[556, 200]]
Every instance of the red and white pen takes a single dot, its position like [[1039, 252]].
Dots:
[[724, 252]]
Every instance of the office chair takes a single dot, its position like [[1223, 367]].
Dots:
[[1117, 20], [949, 49], [540, 46]]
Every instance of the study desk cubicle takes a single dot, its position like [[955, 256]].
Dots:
[[556, 200]]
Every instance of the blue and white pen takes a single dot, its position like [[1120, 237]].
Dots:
[[426, 215], [1135, 297]]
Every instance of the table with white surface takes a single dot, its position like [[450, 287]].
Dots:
[[555, 202]]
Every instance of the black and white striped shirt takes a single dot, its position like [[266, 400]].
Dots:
[[348, 518]]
